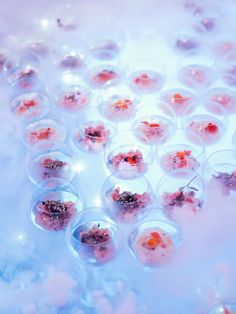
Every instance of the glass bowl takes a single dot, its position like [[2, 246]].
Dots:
[[127, 200], [210, 127], [72, 97], [220, 97], [147, 76], [125, 158], [103, 76], [93, 133], [54, 204], [45, 129], [30, 106], [222, 170], [181, 196], [118, 104], [93, 237], [181, 101], [197, 73], [183, 151], [154, 242], [48, 160], [153, 129]]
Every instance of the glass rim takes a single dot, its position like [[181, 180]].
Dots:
[[218, 152]]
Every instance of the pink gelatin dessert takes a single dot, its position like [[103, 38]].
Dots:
[[179, 160], [153, 247], [131, 162], [196, 76], [97, 244], [100, 77], [127, 205], [42, 134], [93, 138], [73, 100], [151, 132], [24, 79], [54, 215], [209, 131], [221, 98], [146, 82], [119, 108]]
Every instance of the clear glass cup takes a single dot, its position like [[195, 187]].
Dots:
[[181, 101], [3, 58], [222, 170], [127, 200], [154, 242], [48, 160], [93, 237], [72, 97], [197, 73], [118, 104], [54, 204], [146, 75], [49, 128], [210, 127], [70, 54], [153, 129], [23, 72], [228, 307], [93, 132], [183, 151], [105, 43], [126, 158], [103, 76], [30, 106], [219, 97], [181, 196]]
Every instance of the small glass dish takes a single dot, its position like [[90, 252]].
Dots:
[[47, 128], [153, 129], [70, 55], [210, 127], [222, 170], [228, 73], [105, 43], [181, 196], [93, 237], [103, 76], [72, 97], [93, 133], [183, 151], [54, 204], [118, 104], [147, 76], [220, 97], [30, 106], [181, 101], [48, 160], [23, 72], [154, 242], [125, 158], [197, 73], [127, 200]]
